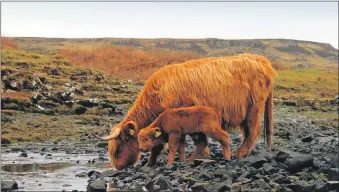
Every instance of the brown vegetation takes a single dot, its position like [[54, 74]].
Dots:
[[115, 60], [7, 43]]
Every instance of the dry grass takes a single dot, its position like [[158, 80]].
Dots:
[[7, 43], [118, 60], [18, 95]]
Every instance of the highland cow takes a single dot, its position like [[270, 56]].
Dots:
[[240, 87]]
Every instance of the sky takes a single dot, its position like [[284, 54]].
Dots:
[[310, 21]]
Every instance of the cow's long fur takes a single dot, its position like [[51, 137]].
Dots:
[[238, 86]]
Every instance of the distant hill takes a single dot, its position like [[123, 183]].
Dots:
[[290, 53]]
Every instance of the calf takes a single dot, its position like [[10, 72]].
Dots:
[[172, 125]]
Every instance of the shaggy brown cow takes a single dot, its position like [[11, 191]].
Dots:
[[240, 87], [173, 124]]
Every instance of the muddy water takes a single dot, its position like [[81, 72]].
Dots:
[[50, 171]]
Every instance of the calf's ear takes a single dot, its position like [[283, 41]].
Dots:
[[157, 132]]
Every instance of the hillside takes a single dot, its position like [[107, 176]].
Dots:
[[289, 53]]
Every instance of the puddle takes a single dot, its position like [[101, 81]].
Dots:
[[51, 171], [51, 167]]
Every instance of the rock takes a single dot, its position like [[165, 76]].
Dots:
[[92, 172], [320, 186], [110, 173], [333, 185], [9, 185], [80, 110], [99, 77], [307, 138], [268, 169], [280, 179], [4, 140], [97, 186], [258, 161], [82, 174], [199, 186], [236, 187], [205, 161], [55, 71], [299, 162], [163, 183], [89, 102], [282, 155], [146, 169], [23, 154]]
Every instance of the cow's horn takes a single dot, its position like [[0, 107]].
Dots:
[[110, 137]]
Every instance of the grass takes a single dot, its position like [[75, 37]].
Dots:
[[309, 83]]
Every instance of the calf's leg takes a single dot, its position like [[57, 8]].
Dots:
[[218, 134], [173, 144]]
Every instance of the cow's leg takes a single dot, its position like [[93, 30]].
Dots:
[[200, 145], [182, 148], [250, 130], [218, 134], [173, 144], [156, 150], [200, 142]]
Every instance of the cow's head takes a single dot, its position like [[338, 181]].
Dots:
[[148, 137], [123, 148]]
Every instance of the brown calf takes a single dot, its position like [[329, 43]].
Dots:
[[173, 124]]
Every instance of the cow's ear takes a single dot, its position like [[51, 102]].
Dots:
[[157, 132], [131, 128]]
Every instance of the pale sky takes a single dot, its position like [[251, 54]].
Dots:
[[311, 21]]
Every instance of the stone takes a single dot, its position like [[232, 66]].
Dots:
[[307, 138], [258, 161], [299, 162], [9, 185], [97, 186], [23, 154]]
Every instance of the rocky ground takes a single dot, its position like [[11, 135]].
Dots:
[[48, 107], [305, 158]]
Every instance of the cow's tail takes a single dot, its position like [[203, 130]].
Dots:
[[268, 121]]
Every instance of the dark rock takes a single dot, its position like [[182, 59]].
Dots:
[[333, 185], [23, 154], [89, 174], [82, 174], [9, 185], [110, 173], [282, 155], [261, 184], [284, 189], [320, 186], [199, 186], [205, 161], [99, 77], [80, 110], [163, 183], [280, 179], [89, 102], [258, 161], [268, 169], [236, 187], [4, 140], [299, 162], [97, 186], [307, 138]]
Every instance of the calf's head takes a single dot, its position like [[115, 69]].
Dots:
[[148, 137], [123, 148]]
